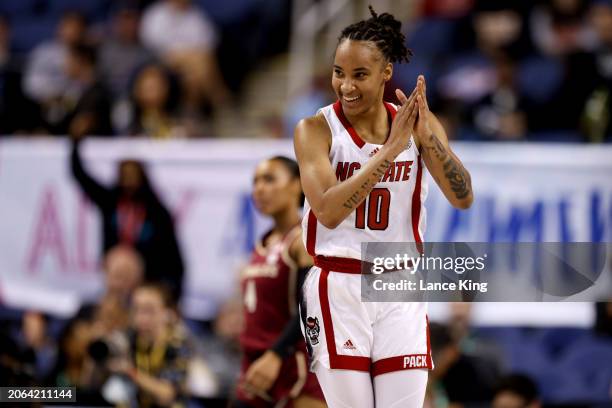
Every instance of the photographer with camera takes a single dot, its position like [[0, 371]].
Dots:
[[156, 355]]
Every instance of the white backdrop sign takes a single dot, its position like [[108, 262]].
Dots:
[[50, 235]]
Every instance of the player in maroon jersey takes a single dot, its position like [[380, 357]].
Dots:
[[274, 368]]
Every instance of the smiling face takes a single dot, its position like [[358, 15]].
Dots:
[[360, 74]]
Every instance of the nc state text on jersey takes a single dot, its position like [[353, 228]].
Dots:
[[397, 171]]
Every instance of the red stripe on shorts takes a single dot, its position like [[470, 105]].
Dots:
[[399, 363], [336, 361]]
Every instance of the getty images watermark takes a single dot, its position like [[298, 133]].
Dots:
[[487, 272], [411, 264]]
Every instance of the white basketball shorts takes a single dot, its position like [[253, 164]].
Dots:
[[342, 332]]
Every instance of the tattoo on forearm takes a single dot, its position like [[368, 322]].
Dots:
[[365, 188], [458, 178]]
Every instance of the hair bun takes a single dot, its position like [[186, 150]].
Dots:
[[372, 12], [385, 31], [388, 20]]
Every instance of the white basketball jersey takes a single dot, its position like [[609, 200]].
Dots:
[[393, 211]]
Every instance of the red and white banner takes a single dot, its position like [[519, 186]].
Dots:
[[50, 235]]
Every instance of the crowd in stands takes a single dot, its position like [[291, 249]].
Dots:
[[496, 70], [511, 70], [133, 346], [504, 69], [126, 67], [129, 346]]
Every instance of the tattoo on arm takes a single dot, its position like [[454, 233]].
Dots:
[[365, 188], [458, 178]]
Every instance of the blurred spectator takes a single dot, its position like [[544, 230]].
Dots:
[[559, 27], [597, 116], [70, 369], [37, 345], [470, 342], [13, 370], [110, 317], [445, 8], [45, 79], [154, 105], [159, 352], [501, 112], [479, 82], [90, 114], [5, 41], [185, 39], [124, 271], [133, 215], [122, 53], [177, 25], [600, 16], [500, 26], [458, 378], [516, 391], [222, 349], [17, 112]]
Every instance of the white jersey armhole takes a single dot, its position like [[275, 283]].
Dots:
[[323, 111]]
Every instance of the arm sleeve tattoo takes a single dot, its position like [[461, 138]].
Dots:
[[455, 173]]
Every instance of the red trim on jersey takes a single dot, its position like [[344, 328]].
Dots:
[[311, 233], [336, 264], [351, 130], [391, 110], [399, 363], [416, 207], [337, 361], [347, 125]]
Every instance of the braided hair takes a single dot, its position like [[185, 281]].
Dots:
[[383, 30]]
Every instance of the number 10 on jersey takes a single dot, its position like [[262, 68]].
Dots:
[[374, 210]]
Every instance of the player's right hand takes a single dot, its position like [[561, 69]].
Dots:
[[406, 116]]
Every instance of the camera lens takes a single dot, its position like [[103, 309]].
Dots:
[[98, 351]]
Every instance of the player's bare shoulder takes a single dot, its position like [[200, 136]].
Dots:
[[312, 131]]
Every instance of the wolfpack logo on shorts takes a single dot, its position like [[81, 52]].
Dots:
[[393, 212], [312, 330]]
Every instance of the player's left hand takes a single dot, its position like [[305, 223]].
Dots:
[[422, 129], [264, 371]]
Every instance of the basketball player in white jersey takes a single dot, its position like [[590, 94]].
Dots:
[[362, 162]]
